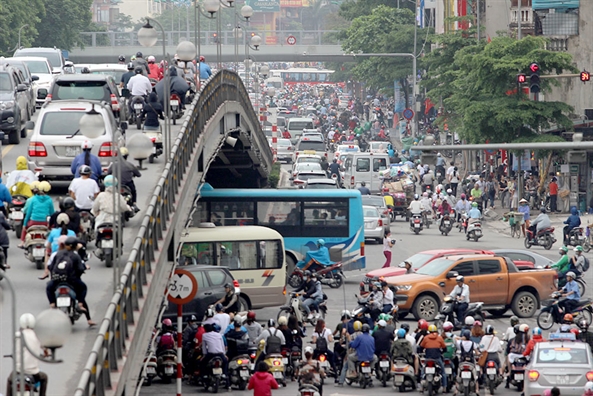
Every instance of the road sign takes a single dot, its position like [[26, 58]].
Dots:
[[182, 287], [291, 40], [408, 114]]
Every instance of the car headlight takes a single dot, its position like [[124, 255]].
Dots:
[[402, 287], [7, 105]]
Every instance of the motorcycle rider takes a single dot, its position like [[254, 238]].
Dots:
[[462, 205], [577, 263], [571, 292], [516, 347], [364, 350], [67, 206], [491, 344], [375, 301], [310, 372], [444, 209], [387, 298], [123, 83], [420, 333], [152, 111], [212, 346], [237, 339], [536, 338], [461, 295], [62, 229], [334, 169], [313, 300], [28, 363], [205, 71], [154, 70], [222, 318], [140, 63], [128, 172], [38, 209], [434, 346], [562, 266], [189, 333], [468, 350], [230, 301], [416, 206], [20, 180], [364, 190], [573, 221], [541, 222], [449, 338], [510, 333], [403, 348], [585, 335], [274, 339], [83, 189], [139, 86], [87, 158], [103, 209], [254, 329], [426, 202], [383, 337]]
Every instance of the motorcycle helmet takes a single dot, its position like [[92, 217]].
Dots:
[[516, 329], [313, 275], [575, 331], [405, 326], [192, 318], [271, 323], [466, 334], [124, 151], [448, 326], [251, 315], [27, 321], [401, 333], [589, 386], [571, 274], [306, 273], [202, 59], [86, 145], [151, 59], [563, 250], [63, 218], [416, 197], [167, 322], [282, 321], [514, 320], [536, 331], [68, 203], [218, 307], [462, 196], [568, 318], [321, 242], [423, 324], [477, 323], [209, 313], [474, 204], [432, 329], [460, 278], [489, 329], [238, 321], [366, 328], [578, 248], [469, 320], [542, 209], [309, 349], [449, 191], [584, 325], [138, 54], [382, 323], [110, 181], [71, 241], [121, 58], [44, 186], [138, 70], [85, 170], [346, 314], [425, 194], [523, 328], [130, 66], [357, 325]]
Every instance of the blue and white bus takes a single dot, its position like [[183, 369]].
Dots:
[[300, 216]]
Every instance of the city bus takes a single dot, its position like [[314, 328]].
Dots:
[[254, 255], [306, 75], [300, 216]]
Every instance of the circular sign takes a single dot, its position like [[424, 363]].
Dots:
[[408, 114], [182, 287], [291, 40]]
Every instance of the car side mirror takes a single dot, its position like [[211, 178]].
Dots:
[[124, 125], [29, 125], [452, 274], [21, 88], [34, 78]]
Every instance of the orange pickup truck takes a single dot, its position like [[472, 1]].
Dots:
[[492, 279]]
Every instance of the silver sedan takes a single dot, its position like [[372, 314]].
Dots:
[[374, 225]]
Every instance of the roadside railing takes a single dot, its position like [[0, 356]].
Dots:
[[150, 263]]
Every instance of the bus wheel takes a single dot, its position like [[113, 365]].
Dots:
[[290, 266], [243, 304]]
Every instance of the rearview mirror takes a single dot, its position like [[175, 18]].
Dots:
[[29, 125], [34, 78], [21, 88], [124, 125], [452, 274]]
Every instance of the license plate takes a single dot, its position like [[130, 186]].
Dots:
[[38, 252], [466, 374], [72, 151], [217, 371], [383, 364], [285, 360], [174, 103], [366, 369], [430, 370], [518, 377], [278, 374], [107, 243], [150, 370], [251, 366], [138, 106], [491, 371], [154, 149], [17, 215], [448, 370], [447, 222], [244, 373], [169, 370], [63, 302], [399, 379], [562, 379], [325, 364], [416, 225]]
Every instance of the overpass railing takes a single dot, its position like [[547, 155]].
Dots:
[[149, 263], [269, 37]]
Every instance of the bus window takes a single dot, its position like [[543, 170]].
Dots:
[[269, 251], [326, 219], [238, 255], [197, 253], [379, 164], [232, 213], [363, 164], [278, 213]]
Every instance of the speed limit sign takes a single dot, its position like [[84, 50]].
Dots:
[[291, 40]]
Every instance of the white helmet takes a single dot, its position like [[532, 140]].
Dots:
[[151, 59], [449, 191], [282, 321], [27, 321], [589, 386], [469, 320], [86, 145]]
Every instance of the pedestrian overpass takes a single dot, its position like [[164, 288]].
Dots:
[[220, 142]]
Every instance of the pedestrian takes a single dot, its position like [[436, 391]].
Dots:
[[524, 208], [553, 188], [387, 245], [262, 382]]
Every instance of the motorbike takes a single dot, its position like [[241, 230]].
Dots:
[[137, 106], [274, 362], [151, 367], [175, 103], [416, 223], [363, 375], [308, 390], [156, 136], [462, 223], [383, 373], [213, 377], [580, 280], [447, 312], [552, 312], [16, 214], [239, 371], [449, 373], [35, 245], [291, 359], [474, 230], [518, 373], [330, 275], [468, 381], [493, 379], [404, 377], [363, 308], [66, 301], [446, 225], [87, 226], [576, 237], [543, 238], [105, 243], [432, 376], [295, 308], [167, 365], [126, 193]]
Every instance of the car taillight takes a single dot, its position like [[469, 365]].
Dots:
[[284, 290], [236, 283], [380, 223], [106, 150], [114, 102], [48, 97], [289, 148], [37, 149], [153, 139], [533, 375], [589, 375], [297, 153], [352, 180]]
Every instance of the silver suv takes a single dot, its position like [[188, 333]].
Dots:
[[14, 103], [56, 139]]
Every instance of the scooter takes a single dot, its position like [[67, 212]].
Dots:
[[432, 377], [35, 245], [468, 381], [330, 275], [543, 238], [445, 225], [308, 390], [295, 308], [213, 377], [416, 223], [167, 365], [493, 379], [16, 214], [518, 373], [474, 230], [363, 308], [151, 367], [87, 226], [449, 373], [126, 193], [175, 103], [384, 372], [274, 362], [404, 377], [105, 243], [552, 312], [576, 237], [66, 301], [364, 376], [156, 136], [291, 359], [138, 107], [447, 312], [239, 371]]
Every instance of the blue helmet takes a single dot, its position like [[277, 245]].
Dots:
[[401, 333], [321, 242], [466, 333], [537, 331]]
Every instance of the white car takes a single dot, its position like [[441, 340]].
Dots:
[[307, 158], [284, 149], [321, 183], [374, 227], [40, 67], [345, 148]]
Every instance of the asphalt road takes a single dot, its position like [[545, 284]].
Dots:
[[338, 299], [31, 291]]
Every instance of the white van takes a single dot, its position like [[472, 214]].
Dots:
[[364, 167], [295, 127], [276, 82]]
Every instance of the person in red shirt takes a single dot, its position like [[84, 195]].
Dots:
[[553, 195], [262, 382], [537, 337]]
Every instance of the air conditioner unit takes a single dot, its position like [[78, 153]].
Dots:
[[577, 157]]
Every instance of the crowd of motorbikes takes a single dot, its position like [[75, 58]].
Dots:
[[471, 227]]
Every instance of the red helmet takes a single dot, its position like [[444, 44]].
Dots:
[[423, 324], [202, 59], [167, 322], [251, 315]]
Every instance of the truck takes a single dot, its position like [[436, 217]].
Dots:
[[493, 280]]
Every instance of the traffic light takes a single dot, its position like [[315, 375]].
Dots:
[[534, 79], [585, 76], [521, 78]]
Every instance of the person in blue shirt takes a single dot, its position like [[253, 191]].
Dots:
[[205, 71], [571, 292], [87, 158], [4, 197], [364, 346], [39, 208], [62, 222], [572, 222], [474, 212]]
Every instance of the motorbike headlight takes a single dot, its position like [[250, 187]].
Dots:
[[403, 287], [9, 104]]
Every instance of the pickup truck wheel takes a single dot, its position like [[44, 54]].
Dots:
[[524, 304], [497, 313], [426, 307]]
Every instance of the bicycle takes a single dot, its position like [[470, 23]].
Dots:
[[514, 219]]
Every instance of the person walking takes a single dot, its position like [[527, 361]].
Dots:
[[387, 245], [553, 188]]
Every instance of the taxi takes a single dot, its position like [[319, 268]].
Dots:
[[560, 362], [306, 158]]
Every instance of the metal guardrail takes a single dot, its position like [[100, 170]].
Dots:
[[172, 38], [150, 262]]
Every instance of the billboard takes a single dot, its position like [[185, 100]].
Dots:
[[264, 5]]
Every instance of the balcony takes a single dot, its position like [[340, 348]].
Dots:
[[526, 16]]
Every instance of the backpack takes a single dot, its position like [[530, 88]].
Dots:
[[273, 343], [516, 347], [63, 268], [466, 356], [585, 266], [321, 343], [402, 349]]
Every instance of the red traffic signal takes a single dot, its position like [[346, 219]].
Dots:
[[521, 78], [585, 76], [534, 67]]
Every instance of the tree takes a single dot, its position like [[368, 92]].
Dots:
[[122, 23], [62, 23], [352, 9], [478, 89], [13, 15]]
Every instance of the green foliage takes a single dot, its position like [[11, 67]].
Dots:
[[477, 85], [540, 154], [13, 15], [62, 23], [274, 175], [122, 23], [352, 9]]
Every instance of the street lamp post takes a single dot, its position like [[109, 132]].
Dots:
[[246, 14], [21, 28], [254, 44]]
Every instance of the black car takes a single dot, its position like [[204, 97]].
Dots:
[[14, 103], [211, 280], [28, 80]]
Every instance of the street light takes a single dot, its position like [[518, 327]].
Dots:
[[255, 42], [271, 93], [212, 7], [91, 124], [140, 147], [186, 51]]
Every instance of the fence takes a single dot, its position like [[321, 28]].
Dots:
[[150, 262]]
